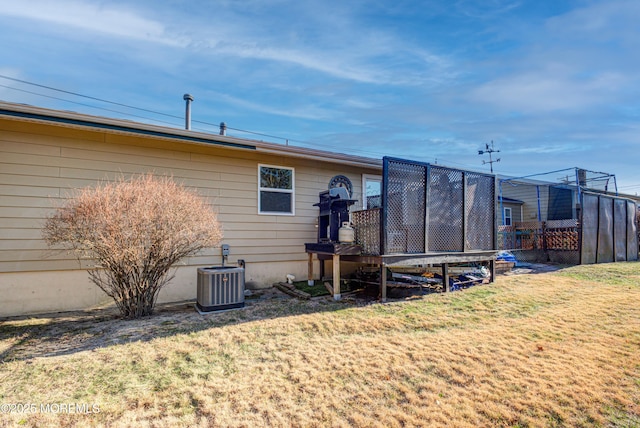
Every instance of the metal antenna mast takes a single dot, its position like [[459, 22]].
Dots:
[[489, 150]]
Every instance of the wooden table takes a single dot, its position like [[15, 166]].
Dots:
[[333, 251]]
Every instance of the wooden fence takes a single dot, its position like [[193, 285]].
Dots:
[[555, 235]]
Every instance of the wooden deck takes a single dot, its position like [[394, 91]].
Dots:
[[352, 253]]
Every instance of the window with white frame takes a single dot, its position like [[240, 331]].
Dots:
[[276, 190], [507, 216], [372, 191]]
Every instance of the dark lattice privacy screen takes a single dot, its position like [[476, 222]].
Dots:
[[609, 229], [429, 208]]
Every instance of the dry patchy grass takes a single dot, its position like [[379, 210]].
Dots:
[[553, 349]]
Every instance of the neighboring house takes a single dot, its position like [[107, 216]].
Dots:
[[45, 154], [567, 223], [511, 211], [540, 200], [544, 200]]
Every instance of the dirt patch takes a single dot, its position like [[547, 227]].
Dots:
[[64, 333], [532, 268]]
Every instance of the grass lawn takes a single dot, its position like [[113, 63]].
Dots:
[[548, 349]]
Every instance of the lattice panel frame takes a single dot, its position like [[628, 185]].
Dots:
[[430, 208], [445, 209], [404, 207], [366, 224], [480, 215]]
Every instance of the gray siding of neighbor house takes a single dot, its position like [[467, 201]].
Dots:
[[515, 212], [542, 201], [528, 194]]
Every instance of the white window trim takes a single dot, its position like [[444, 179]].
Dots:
[[365, 178], [268, 189], [505, 216]]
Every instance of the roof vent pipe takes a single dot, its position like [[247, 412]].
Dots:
[[187, 116], [223, 128]]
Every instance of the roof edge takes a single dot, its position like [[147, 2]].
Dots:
[[26, 112]]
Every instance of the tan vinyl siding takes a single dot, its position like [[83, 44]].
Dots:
[[41, 164]]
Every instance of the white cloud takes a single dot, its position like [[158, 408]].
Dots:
[[303, 112], [359, 104], [550, 149], [581, 60], [548, 92], [110, 20], [315, 61], [486, 9], [331, 44], [600, 21], [371, 59]]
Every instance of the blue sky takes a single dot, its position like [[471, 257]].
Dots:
[[555, 84]]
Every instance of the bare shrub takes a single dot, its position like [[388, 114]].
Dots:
[[134, 231]]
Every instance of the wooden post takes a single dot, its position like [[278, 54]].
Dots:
[[310, 270], [383, 283], [336, 277], [492, 270], [445, 277]]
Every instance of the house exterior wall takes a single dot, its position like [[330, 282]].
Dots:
[[515, 212], [41, 164], [528, 194]]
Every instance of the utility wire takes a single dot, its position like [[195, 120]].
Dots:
[[535, 175], [153, 112], [88, 97], [131, 107], [83, 104], [629, 186], [307, 143]]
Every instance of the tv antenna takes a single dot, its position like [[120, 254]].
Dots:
[[489, 150]]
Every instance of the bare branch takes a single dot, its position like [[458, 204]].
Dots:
[[134, 231]]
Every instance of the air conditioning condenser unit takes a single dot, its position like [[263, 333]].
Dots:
[[220, 288]]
